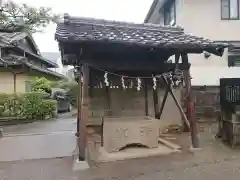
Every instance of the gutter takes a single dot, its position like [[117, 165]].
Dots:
[[153, 8], [47, 71], [150, 12]]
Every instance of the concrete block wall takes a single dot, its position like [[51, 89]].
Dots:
[[130, 102], [207, 101]]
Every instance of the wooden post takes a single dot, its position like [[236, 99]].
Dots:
[[79, 99], [155, 103], [84, 114], [109, 103], [102, 125], [14, 82], [189, 98], [146, 97]]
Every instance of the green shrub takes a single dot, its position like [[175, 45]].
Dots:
[[73, 94], [48, 108], [1, 110], [41, 84], [3, 98], [11, 103], [32, 105]]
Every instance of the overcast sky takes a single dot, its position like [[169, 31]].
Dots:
[[121, 10]]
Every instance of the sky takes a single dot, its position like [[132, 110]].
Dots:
[[120, 10]]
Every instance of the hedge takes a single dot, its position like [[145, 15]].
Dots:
[[32, 105]]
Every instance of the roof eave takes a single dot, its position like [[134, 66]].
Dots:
[[50, 63], [46, 71], [149, 37]]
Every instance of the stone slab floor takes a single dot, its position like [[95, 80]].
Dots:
[[214, 162]]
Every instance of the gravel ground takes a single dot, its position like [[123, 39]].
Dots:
[[214, 162], [141, 169]]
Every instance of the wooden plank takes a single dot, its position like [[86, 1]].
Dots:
[[169, 144]]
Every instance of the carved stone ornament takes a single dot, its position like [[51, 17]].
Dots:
[[120, 132]]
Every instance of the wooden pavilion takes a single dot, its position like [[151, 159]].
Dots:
[[97, 47]]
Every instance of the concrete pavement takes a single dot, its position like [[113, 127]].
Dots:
[[42, 127], [60, 144], [47, 139]]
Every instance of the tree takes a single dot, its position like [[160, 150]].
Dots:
[[41, 84], [22, 17]]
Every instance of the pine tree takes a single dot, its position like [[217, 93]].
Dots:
[[15, 17]]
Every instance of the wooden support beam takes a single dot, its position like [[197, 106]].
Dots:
[[185, 95], [163, 101], [176, 65], [146, 97], [155, 103], [176, 102], [84, 114], [189, 98]]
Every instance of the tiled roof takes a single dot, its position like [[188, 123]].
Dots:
[[15, 60], [148, 35], [5, 39], [11, 39]]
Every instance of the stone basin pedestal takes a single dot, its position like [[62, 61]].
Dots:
[[122, 131]]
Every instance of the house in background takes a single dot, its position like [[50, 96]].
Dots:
[[21, 61], [217, 20]]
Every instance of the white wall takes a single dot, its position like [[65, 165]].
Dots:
[[203, 18]]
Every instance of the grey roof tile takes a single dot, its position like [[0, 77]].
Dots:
[[11, 39], [149, 35]]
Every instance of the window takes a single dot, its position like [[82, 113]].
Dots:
[[28, 87], [230, 9], [234, 60], [170, 13]]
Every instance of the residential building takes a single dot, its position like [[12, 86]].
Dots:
[[214, 19], [217, 20], [21, 61]]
